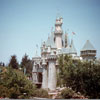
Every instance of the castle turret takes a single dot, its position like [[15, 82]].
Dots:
[[88, 52], [36, 71], [52, 71], [45, 74], [58, 33]]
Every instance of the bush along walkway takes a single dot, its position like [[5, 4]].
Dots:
[[65, 93]]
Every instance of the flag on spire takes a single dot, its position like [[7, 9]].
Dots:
[[73, 33]]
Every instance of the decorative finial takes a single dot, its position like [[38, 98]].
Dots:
[[68, 29], [51, 29], [41, 42], [58, 13], [36, 54]]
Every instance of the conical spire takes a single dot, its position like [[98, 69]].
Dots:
[[88, 46], [50, 41], [36, 53], [72, 47]]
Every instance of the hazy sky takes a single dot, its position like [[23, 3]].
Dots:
[[25, 23]]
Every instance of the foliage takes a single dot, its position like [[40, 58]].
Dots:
[[16, 83], [41, 93], [81, 76], [4, 92], [26, 63], [25, 60], [2, 64], [67, 93], [13, 62], [65, 64]]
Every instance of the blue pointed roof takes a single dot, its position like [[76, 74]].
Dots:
[[50, 41], [65, 50], [88, 46], [72, 47]]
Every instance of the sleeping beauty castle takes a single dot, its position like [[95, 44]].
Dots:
[[45, 68]]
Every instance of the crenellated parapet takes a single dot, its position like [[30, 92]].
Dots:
[[58, 32], [52, 57]]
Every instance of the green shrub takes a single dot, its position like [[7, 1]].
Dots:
[[17, 84], [67, 93], [41, 93], [4, 91]]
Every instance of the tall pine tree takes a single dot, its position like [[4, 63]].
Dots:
[[13, 62], [26, 63]]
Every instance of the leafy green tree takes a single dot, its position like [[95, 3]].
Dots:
[[65, 63], [16, 83], [4, 92], [13, 62], [2, 64], [26, 63], [81, 76]]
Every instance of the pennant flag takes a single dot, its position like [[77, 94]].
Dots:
[[73, 33]]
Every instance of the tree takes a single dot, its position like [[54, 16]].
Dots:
[[82, 76], [16, 83], [2, 64], [26, 63], [65, 63], [13, 62], [4, 91]]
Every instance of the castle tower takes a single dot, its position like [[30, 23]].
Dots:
[[52, 71], [58, 33], [34, 74], [88, 52], [44, 66], [45, 75], [35, 66]]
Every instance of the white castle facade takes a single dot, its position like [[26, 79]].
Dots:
[[45, 68]]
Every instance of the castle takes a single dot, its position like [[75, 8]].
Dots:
[[45, 67]]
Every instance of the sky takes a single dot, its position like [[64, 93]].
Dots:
[[26, 23]]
